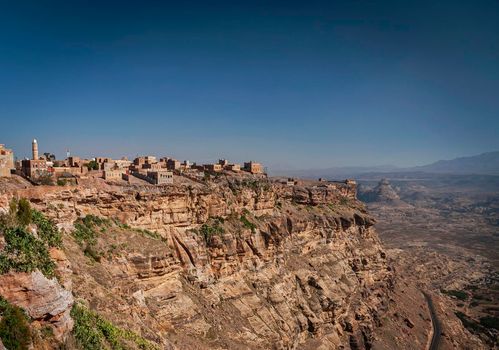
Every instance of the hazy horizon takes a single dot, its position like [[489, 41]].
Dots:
[[301, 86]]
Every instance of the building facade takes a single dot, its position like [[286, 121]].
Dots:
[[34, 168], [254, 168], [6, 161], [116, 174], [160, 177]]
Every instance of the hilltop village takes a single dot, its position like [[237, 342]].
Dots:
[[45, 169]]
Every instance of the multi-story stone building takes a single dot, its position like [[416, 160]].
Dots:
[[115, 174], [233, 167], [153, 166], [6, 161], [34, 167], [213, 167], [254, 168], [173, 164], [160, 177]]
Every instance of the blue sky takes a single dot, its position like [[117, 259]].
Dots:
[[292, 84]]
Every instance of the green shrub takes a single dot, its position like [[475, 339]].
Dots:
[[209, 230], [14, 327], [151, 234], [25, 253], [85, 231], [61, 182], [47, 230], [23, 213], [247, 224], [92, 331], [92, 253], [92, 165]]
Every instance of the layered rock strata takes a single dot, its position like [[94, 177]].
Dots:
[[291, 266]]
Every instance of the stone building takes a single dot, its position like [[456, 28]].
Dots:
[[101, 160], [122, 163], [74, 161], [115, 174], [139, 161], [185, 165], [254, 168], [233, 167], [173, 164], [215, 168], [34, 167], [153, 166], [6, 161], [160, 177]]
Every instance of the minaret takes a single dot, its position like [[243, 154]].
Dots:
[[34, 148]]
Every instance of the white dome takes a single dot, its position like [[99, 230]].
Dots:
[[34, 140]]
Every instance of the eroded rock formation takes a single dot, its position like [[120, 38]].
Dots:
[[291, 267]]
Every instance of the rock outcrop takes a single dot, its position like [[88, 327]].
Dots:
[[289, 266], [43, 299]]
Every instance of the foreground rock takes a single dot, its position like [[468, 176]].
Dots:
[[44, 299]]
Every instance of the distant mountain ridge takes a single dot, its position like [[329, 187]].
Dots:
[[482, 164], [485, 163]]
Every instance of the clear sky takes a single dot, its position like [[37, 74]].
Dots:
[[294, 84]]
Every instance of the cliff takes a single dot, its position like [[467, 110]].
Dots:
[[238, 263]]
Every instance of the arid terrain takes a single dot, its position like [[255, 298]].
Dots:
[[231, 262], [443, 232]]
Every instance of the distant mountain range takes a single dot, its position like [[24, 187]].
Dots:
[[483, 164]]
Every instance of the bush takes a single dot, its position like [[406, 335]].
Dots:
[[23, 214], [85, 231], [14, 327], [25, 253], [92, 165], [247, 224], [61, 182], [210, 230], [47, 230], [92, 331]]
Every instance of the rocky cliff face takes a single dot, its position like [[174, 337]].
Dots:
[[239, 263]]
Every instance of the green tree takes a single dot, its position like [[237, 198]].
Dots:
[[92, 165], [23, 214]]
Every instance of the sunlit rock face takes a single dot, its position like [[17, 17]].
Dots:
[[289, 267]]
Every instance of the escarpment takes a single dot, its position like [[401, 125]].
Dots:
[[237, 263]]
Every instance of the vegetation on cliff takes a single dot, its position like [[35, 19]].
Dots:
[[211, 228], [246, 223], [92, 331], [26, 251], [14, 326], [89, 228]]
